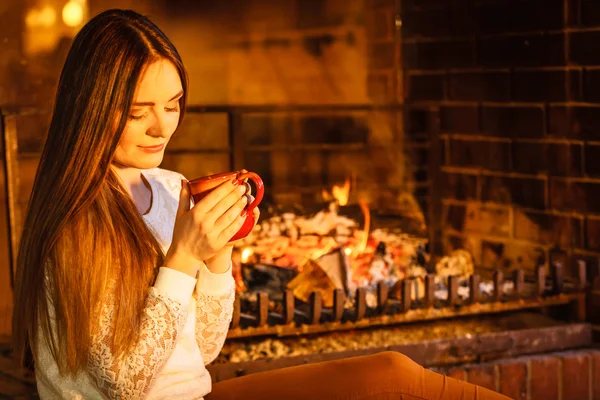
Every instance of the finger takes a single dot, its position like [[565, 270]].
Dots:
[[215, 196], [230, 215], [232, 229], [225, 204], [184, 199]]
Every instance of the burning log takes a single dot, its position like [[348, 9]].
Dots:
[[329, 272]]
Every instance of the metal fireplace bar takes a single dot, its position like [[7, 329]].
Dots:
[[396, 307]]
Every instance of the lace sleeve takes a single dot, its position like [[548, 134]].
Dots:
[[213, 315], [130, 376]]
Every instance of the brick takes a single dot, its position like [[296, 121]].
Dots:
[[508, 255], [440, 22], [517, 16], [559, 122], [491, 155], [417, 121], [381, 24], [575, 196], [591, 86], [592, 233], [382, 55], [548, 229], [479, 86], [459, 119], [483, 375], [559, 194], [454, 216], [576, 376], [590, 13], [426, 87], [419, 156], [595, 359], [513, 380], [558, 159], [333, 129], [380, 88], [586, 121], [544, 86], [524, 192], [575, 122], [544, 378], [458, 186], [573, 14], [457, 373], [484, 219], [519, 122], [592, 160], [439, 54], [582, 50], [521, 51]]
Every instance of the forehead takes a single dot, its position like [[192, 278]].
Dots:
[[159, 82]]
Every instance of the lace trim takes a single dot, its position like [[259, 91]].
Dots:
[[213, 316], [130, 376]]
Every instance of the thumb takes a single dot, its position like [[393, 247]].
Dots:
[[184, 199]]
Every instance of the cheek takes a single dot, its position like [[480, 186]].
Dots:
[[173, 123]]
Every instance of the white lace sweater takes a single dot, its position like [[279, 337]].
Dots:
[[184, 327]]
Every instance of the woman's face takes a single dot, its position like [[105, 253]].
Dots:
[[153, 118]]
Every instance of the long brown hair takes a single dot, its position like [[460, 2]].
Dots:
[[83, 237]]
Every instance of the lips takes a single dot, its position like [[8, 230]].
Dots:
[[152, 149]]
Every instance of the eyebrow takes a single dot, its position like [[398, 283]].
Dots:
[[150, 103]]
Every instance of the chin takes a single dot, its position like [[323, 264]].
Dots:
[[148, 162]]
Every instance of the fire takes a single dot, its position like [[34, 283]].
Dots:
[[246, 254], [342, 193], [367, 213], [339, 193]]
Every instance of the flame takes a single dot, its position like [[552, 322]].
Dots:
[[348, 251], [246, 254], [367, 213], [341, 193]]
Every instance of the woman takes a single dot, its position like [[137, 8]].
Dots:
[[124, 289]]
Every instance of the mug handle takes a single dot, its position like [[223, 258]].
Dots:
[[260, 189]]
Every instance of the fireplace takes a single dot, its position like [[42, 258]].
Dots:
[[431, 178]]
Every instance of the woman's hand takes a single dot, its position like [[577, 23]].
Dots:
[[204, 230], [221, 261]]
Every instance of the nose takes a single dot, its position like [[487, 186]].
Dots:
[[159, 127]]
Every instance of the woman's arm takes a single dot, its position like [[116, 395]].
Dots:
[[215, 293], [165, 313]]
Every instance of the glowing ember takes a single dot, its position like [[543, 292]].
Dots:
[[348, 251], [339, 193], [246, 254], [367, 213]]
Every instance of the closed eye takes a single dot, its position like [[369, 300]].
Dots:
[[174, 109], [138, 117]]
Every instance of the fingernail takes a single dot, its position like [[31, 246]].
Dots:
[[244, 213], [235, 182]]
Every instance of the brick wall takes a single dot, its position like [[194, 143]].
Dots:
[[567, 375], [510, 87]]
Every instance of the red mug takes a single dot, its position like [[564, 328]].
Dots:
[[200, 187]]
